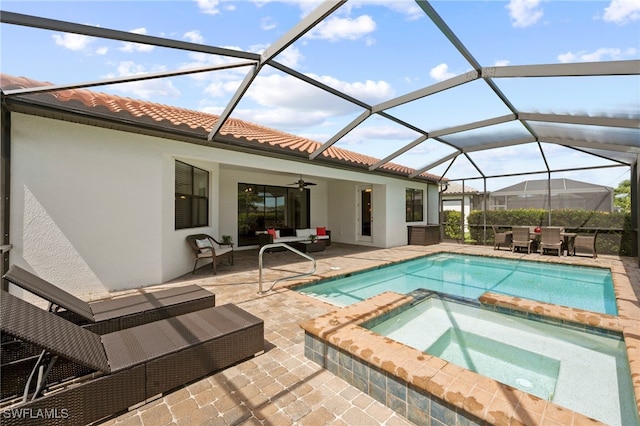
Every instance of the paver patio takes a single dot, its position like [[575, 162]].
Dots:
[[281, 386]]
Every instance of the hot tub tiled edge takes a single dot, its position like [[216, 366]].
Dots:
[[420, 387]]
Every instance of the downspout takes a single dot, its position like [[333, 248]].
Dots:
[[5, 186]]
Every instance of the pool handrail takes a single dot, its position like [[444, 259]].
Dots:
[[288, 247]]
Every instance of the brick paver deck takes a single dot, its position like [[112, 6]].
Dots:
[[281, 386]]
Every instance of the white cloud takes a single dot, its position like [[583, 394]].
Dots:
[[524, 13], [501, 63], [213, 7], [194, 36], [601, 54], [335, 28], [290, 57], [137, 47], [282, 118], [405, 7], [74, 42], [441, 72], [145, 89], [267, 23], [283, 101], [622, 11], [210, 7], [384, 132], [371, 92]]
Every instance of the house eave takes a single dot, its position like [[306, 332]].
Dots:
[[184, 133]]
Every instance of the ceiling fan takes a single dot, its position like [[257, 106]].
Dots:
[[302, 184]]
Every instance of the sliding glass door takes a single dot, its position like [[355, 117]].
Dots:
[[263, 206]]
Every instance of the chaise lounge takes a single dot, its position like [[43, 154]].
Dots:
[[105, 316], [126, 367]]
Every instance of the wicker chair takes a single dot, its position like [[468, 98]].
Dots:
[[550, 239], [521, 239], [586, 243], [105, 316], [203, 247], [126, 367], [501, 238]]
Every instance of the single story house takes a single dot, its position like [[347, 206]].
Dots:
[[100, 191]]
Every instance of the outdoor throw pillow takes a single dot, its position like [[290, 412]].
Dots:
[[304, 233], [204, 243], [321, 231]]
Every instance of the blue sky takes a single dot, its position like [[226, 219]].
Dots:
[[373, 50]]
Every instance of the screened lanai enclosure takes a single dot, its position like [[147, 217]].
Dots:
[[553, 193], [484, 94]]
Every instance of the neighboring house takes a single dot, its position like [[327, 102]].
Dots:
[[104, 189], [565, 194], [464, 199], [454, 197]]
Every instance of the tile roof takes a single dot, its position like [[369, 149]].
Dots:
[[195, 122]]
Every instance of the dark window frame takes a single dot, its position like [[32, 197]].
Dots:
[[414, 205], [196, 205]]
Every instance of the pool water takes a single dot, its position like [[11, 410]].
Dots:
[[470, 276], [500, 361], [585, 372]]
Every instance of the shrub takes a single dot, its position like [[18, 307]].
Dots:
[[615, 231], [452, 224]]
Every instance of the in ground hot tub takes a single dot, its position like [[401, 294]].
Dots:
[[587, 372]]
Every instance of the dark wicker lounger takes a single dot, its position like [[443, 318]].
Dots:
[[130, 366], [105, 316]]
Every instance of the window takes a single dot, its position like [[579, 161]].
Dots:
[[262, 206], [192, 196], [414, 199]]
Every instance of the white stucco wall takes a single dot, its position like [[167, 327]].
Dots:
[[84, 206], [92, 209]]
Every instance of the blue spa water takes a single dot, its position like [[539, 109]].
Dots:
[[470, 276], [584, 372]]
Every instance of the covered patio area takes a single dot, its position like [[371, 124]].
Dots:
[[282, 386]]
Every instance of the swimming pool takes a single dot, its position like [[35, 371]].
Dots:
[[546, 360], [469, 276]]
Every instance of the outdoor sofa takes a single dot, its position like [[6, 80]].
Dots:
[[84, 377], [289, 235], [105, 316]]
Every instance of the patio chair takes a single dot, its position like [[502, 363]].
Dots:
[[501, 238], [105, 316], [521, 239], [127, 367], [203, 247], [550, 239], [586, 243]]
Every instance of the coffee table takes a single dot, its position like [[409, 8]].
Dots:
[[308, 246]]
